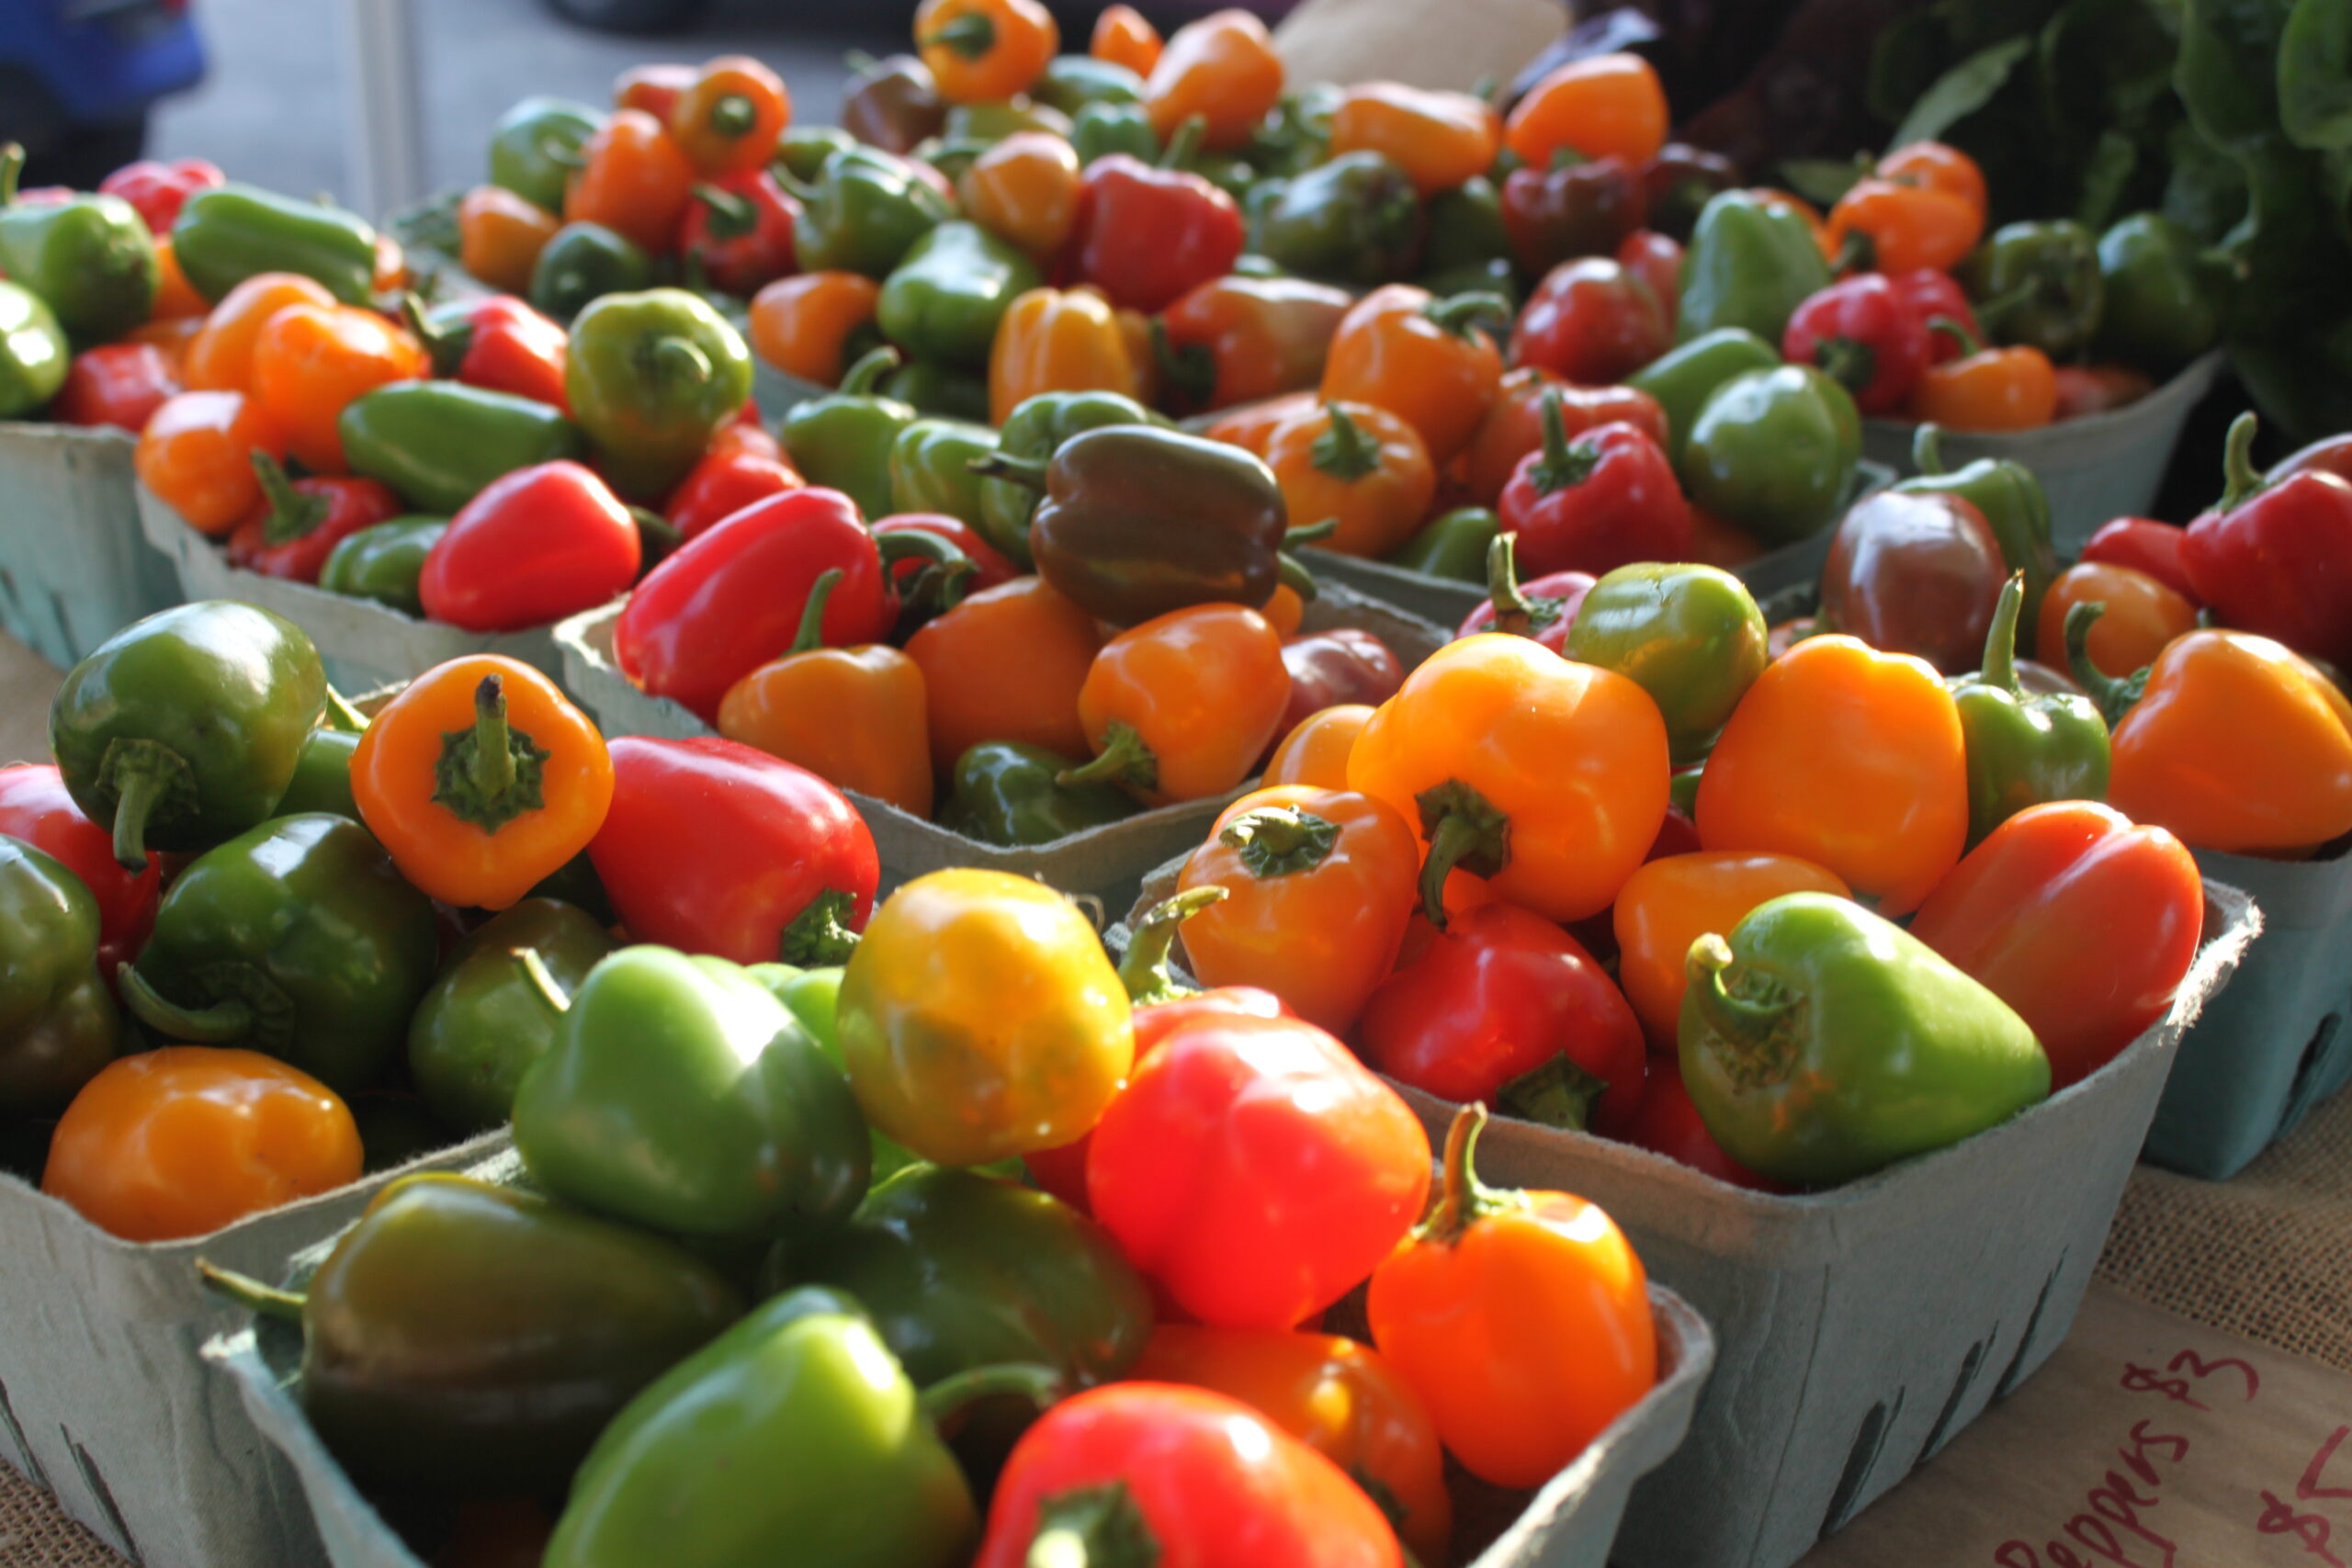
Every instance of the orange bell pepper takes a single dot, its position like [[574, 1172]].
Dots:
[[2143, 616], [802, 324], [855, 716], [1136, 333], [1122, 37], [390, 274], [180, 1142], [1360, 465], [1522, 1319], [1319, 886], [171, 335], [311, 361], [1339, 1398], [1426, 359], [1182, 707], [1234, 340], [1315, 750], [1987, 389], [481, 781], [1055, 340], [967, 657], [197, 456], [500, 236], [653, 89], [220, 357], [175, 296], [1253, 425], [1610, 106], [1849, 758], [634, 180], [1023, 189], [1672, 902], [2237, 744], [1892, 226], [983, 50], [1545, 777], [1285, 612], [1932, 165], [1221, 68], [729, 118], [1438, 139]]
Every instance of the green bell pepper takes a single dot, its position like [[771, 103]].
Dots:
[[930, 467], [813, 999], [483, 1021], [1689, 636], [536, 146], [182, 729], [384, 561], [581, 264], [1004, 792], [1683, 378], [945, 299], [1465, 227], [1101, 128], [1296, 136], [1749, 264], [1354, 221], [991, 120], [439, 444], [1071, 82], [802, 149], [651, 376], [58, 1022], [939, 391], [228, 233], [322, 779], [34, 356], [2023, 748], [2037, 284], [2013, 503], [843, 440], [1452, 544], [89, 258], [680, 1095], [1035, 429], [2158, 309], [298, 938], [864, 212], [1822, 1042], [1774, 451]]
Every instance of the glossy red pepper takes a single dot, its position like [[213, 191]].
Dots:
[[157, 190], [1605, 499], [1346, 664], [1502, 993], [36, 807], [990, 566], [1669, 1124], [1656, 260], [1514, 426], [300, 522], [728, 478], [712, 846], [2145, 544], [535, 546], [2276, 559], [2329, 454], [2088, 390], [120, 384], [1591, 322], [1866, 334], [498, 343], [1545, 609], [1145, 236], [1936, 296], [738, 231]]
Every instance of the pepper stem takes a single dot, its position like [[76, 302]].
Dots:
[[866, 375], [734, 116], [1277, 840], [1463, 314], [2111, 697], [1311, 533], [445, 346], [917, 544], [1856, 252], [2243, 481], [731, 215], [291, 514], [971, 35], [1754, 1030], [811, 635], [1970, 343], [340, 716], [1927, 449], [2000, 668], [1293, 575], [1463, 829], [1028, 471], [1559, 1094], [1344, 451], [1143, 968], [681, 359], [1561, 466], [222, 1024], [1515, 613], [1124, 759], [491, 773], [142, 789], [1848, 361], [657, 537], [1092, 1527], [819, 936], [542, 980], [492, 764], [1189, 371], [951, 1397], [11, 169], [262, 1300], [1462, 1200], [1184, 143]]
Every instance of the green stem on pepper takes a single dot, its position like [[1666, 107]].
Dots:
[[1143, 968], [1463, 829], [251, 1294]]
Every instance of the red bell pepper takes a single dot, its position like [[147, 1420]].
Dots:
[[298, 523], [2276, 559], [1145, 236], [1605, 499], [2145, 544], [990, 566], [1574, 209], [1669, 1124], [1346, 664], [2330, 454], [1257, 1170], [1656, 260], [731, 599], [2086, 389], [36, 807], [1591, 322], [1177, 1477], [120, 384], [728, 478], [1866, 335], [538, 545], [1545, 609], [158, 190], [498, 343], [712, 846], [1237, 340], [1500, 994], [745, 433], [1514, 426], [1937, 296], [2079, 919], [738, 231]]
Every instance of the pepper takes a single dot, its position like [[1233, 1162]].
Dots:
[[1822, 1042], [801, 150], [892, 103], [2023, 749], [1591, 322], [37, 808], [440, 443], [1750, 264], [2085, 390], [1897, 225], [1452, 544], [1344, 666], [1440, 140], [1986, 388], [90, 258], [864, 212], [58, 1023], [1098, 130], [582, 262], [298, 938], [723, 483], [1429, 361], [322, 777], [536, 544], [1544, 611], [1679, 181], [1866, 335], [1514, 426], [1774, 451], [1052, 341], [1354, 221], [2038, 284], [634, 179], [310, 362], [934, 467], [1235, 340], [1181, 707], [2145, 546], [948, 293], [1221, 67], [2156, 310], [1148, 234], [1668, 1125], [813, 325], [843, 441], [300, 522], [1682, 379], [536, 146], [1674, 900], [1007, 793], [2276, 558], [938, 587], [500, 236], [940, 392], [738, 232], [963, 653], [182, 730], [1689, 636], [730, 114], [384, 562], [157, 191], [1604, 500], [1070, 81], [118, 384], [500, 345], [483, 1020], [197, 454], [2011, 499], [1914, 573], [230, 232], [1362, 466], [651, 378], [1032, 433], [1553, 214]]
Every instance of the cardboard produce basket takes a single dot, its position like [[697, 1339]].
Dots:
[[74, 569], [2279, 1041], [1860, 1328], [1568, 1524], [2095, 470], [1107, 861], [104, 1402]]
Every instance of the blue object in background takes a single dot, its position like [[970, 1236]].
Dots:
[[77, 78]]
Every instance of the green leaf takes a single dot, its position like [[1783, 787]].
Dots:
[[2315, 74], [1961, 92], [2205, 192], [1823, 180], [2227, 75], [2105, 179]]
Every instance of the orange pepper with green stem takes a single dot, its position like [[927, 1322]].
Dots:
[[2143, 616], [1672, 902], [1023, 189], [500, 236], [312, 361], [481, 781], [965, 655], [1221, 68], [634, 180], [1438, 139], [221, 355], [981, 50], [1315, 752], [1055, 340], [1986, 388], [1235, 339], [1360, 465], [1123, 36], [1850, 758], [1182, 707], [1893, 226], [1547, 778], [1251, 425], [855, 716], [804, 325], [653, 88], [1604, 107], [1429, 361], [196, 455], [1318, 884], [1932, 165], [729, 118]]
